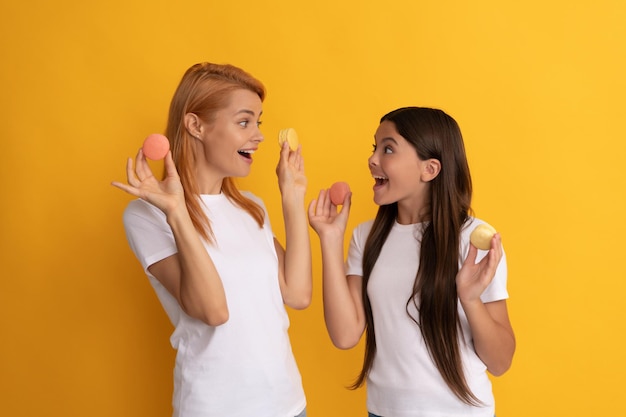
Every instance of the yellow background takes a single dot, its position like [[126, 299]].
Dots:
[[537, 87]]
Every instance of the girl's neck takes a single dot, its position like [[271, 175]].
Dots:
[[412, 214]]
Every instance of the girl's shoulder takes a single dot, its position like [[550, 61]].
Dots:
[[471, 223], [361, 231], [364, 227]]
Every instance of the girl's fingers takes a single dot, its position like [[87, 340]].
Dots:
[[471, 255], [328, 204], [323, 205], [312, 207], [345, 209], [319, 210], [495, 254]]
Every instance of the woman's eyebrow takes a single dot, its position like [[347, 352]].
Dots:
[[246, 111]]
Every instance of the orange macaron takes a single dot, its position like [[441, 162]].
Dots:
[[155, 146], [338, 192]]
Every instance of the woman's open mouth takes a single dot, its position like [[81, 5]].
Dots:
[[246, 153]]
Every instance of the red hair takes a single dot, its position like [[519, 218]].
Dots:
[[205, 89]]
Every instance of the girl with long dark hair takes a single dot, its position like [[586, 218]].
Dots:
[[432, 306]]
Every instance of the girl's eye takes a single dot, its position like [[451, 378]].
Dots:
[[259, 123], [373, 148], [388, 149]]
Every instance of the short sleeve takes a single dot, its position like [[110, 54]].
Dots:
[[148, 234], [497, 289], [354, 262]]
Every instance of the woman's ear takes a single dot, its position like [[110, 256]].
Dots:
[[193, 124], [432, 168]]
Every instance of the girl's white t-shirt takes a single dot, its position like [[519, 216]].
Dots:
[[244, 367], [404, 381]]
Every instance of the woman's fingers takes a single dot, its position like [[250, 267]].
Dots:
[[131, 175], [170, 167]]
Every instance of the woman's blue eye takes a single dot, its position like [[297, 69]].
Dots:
[[244, 123]]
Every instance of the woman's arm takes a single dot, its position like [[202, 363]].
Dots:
[[294, 272], [343, 306], [189, 275]]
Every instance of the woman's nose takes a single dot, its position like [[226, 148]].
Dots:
[[258, 137]]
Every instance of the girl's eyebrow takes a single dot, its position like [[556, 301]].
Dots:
[[388, 139]]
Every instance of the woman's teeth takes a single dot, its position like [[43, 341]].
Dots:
[[246, 153]]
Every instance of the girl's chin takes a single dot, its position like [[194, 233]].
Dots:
[[382, 201]]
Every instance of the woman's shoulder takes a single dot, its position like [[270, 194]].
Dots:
[[141, 208], [254, 198], [140, 216]]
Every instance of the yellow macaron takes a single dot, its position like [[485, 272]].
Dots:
[[290, 136]]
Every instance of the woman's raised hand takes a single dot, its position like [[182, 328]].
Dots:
[[167, 194], [290, 170]]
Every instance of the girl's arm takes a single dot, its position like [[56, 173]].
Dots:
[[343, 307], [294, 272], [189, 275], [494, 340]]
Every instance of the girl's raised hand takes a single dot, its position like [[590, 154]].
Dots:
[[167, 194], [324, 217], [473, 278]]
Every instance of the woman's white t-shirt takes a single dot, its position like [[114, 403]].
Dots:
[[244, 367]]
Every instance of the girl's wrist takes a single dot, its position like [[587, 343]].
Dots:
[[331, 236], [471, 304]]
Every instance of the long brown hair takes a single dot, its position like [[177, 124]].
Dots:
[[434, 134], [205, 89]]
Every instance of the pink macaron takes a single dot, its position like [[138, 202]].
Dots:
[[155, 146], [338, 192]]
